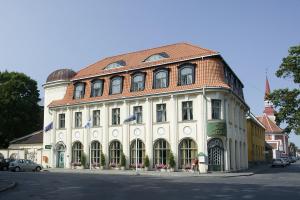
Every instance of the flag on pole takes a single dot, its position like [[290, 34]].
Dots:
[[88, 124], [49, 127], [130, 118]]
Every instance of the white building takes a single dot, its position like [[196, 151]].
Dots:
[[27, 147], [187, 100]]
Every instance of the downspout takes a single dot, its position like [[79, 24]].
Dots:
[[205, 167]]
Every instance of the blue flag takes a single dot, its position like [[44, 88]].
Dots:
[[88, 124], [130, 118], [49, 127]]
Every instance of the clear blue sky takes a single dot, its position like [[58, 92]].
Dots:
[[38, 37]]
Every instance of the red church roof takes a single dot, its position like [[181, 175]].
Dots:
[[267, 90], [271, 127]]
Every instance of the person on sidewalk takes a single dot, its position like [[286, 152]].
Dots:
[[195, 164]]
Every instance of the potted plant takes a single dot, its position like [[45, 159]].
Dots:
[[83, 161], [171, 161], [146, 163], [113, 165], [102, 161], [123, 161]]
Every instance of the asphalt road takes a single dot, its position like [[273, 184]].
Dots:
[[273, 183]]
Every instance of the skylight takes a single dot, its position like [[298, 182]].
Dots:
[[120, 63], [156, 57]]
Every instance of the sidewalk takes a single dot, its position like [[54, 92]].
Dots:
[[149, 173], [5, 185]]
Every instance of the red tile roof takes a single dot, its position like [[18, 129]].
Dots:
[[209, 72], [33, 138], [271, 127], [135, 60]]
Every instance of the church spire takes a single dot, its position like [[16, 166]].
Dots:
[[269, 110], [267, 89]]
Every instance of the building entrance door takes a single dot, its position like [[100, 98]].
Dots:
[[61, 159], [60, 154], [215, 155]]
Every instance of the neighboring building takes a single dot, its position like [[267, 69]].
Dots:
[[268, 153], [186, 100], [274, 135], [26, 147], [256, 140]]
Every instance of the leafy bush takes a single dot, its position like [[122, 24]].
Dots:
[[83, 160], [171, 160], [146, 161], [123, 160], [102, 161]]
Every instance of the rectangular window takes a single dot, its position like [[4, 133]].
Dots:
[[96, 118], [138, 112], [78, 119], [187, 110], [216, 109], [115, 116], [61, 123], [161, 113]]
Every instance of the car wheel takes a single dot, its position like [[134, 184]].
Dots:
[[17, 169], [37, 169]]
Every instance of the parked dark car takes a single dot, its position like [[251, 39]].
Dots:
[[4, 164]]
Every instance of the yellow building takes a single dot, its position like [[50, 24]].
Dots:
[[256, 140]]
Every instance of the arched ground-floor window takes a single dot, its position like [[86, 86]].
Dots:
[[187, 152], [95, 153], [115, 150], [161, 149], [77, 152], [139, 151]]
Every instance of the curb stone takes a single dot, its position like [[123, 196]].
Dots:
[[9, 186], [225, 175]]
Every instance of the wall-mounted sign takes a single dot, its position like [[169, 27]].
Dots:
[[216, 128], [48, 146]]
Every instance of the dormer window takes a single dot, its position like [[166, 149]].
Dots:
[[186, 74], [96, 88], [138, 82], [156, 57], [116, 85], [79, 90], [161, 78], [118, 64]]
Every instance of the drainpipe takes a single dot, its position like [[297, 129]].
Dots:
[[204, 165]]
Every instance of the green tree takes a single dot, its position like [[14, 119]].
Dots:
[[20, 113], [287, 101]]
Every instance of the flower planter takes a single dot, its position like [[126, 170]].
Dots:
[[123, 168], [146, 169], [102, 167], [79, 167], [170, 170], [163, 170]]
